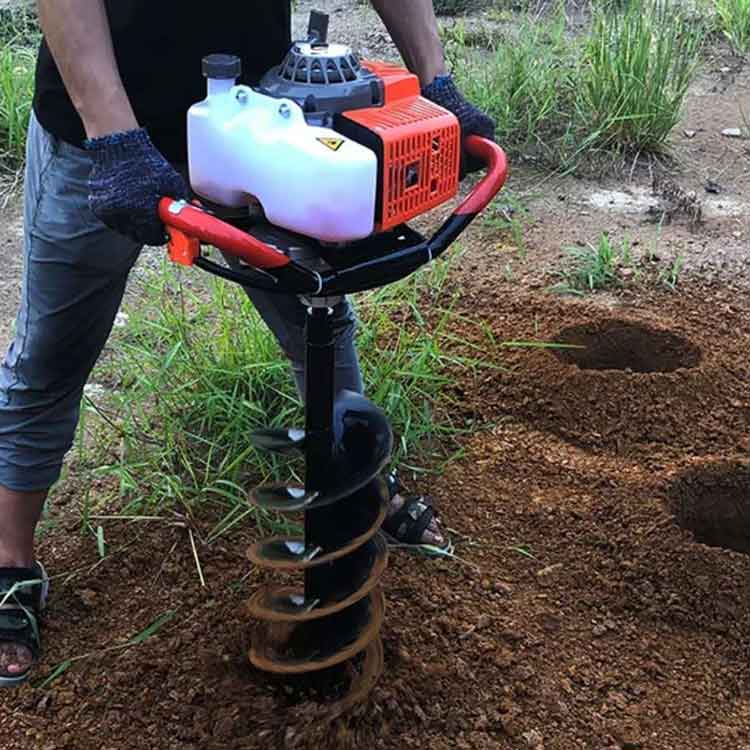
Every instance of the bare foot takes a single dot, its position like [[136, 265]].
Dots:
[[431, 535], [14, 659]]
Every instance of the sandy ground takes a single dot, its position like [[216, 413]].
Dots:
[[583, 614]]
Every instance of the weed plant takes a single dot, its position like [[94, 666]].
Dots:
[[19, 26], [197, 372], [526, 83], [16, 91], [636, 70], [619, 89], [19, 36], [595, 266], [733, 20]]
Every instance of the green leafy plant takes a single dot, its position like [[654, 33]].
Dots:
[[526, 84], [457, 7], [618, 88], [198, 371], [16, 91]]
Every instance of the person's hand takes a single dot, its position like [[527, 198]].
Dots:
[[473, 121], [127, 181]]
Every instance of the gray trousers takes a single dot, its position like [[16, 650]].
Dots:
[[75, 272]]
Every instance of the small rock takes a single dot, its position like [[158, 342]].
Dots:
[[534, 739], [223, 727], [44, 703], [549, 571], [511, 725], [509, 634], [689, 133], [599, 630], [732, 132], [483, 622], [504, 658], [550, 623], [89, 598], [501, 587], [628, 735], [618, 700]]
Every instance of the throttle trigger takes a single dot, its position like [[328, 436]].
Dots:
[[183, 249]]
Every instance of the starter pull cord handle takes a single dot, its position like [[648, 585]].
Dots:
[[188, 226]]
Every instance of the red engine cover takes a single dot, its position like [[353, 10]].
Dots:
[[418, 144]]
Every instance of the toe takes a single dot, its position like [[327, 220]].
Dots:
[[14, 659], [432, 538], [397, 502]]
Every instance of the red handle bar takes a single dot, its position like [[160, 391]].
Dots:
[[189, 225], [491, 184]]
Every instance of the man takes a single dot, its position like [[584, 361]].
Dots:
[[114, 81]]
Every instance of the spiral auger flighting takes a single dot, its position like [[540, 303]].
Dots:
[[338, 612]]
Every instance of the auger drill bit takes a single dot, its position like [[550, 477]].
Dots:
[[338, 612]]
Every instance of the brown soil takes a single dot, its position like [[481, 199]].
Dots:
[[601, 598], [582, 612]]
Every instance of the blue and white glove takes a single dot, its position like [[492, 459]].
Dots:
[[128, 179]]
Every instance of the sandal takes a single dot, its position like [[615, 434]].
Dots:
[[23, 596], [406, 527]]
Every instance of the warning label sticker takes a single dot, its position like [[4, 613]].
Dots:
[[333, 143]]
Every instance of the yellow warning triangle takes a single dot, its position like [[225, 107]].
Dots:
[[333, 143]]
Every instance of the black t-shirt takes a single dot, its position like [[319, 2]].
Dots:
[[159, 47]]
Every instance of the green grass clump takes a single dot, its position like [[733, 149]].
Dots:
[[637, 67], [526, 84], [19, 38], [19, 26], [457, 7], [16, 92], [617, 89], [733, 20], [196, 373], [595, 266]]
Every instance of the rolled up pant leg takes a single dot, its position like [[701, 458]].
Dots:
[[75, 271]]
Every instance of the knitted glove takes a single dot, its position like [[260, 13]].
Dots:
[[128, 179], [473, 121]]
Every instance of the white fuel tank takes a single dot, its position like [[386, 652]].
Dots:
[[309, 180]]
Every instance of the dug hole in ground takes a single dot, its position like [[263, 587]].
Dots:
[[601, 598]]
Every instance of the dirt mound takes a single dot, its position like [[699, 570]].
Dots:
[[627, 385]]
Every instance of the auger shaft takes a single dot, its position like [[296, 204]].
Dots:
[[320, 389]]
